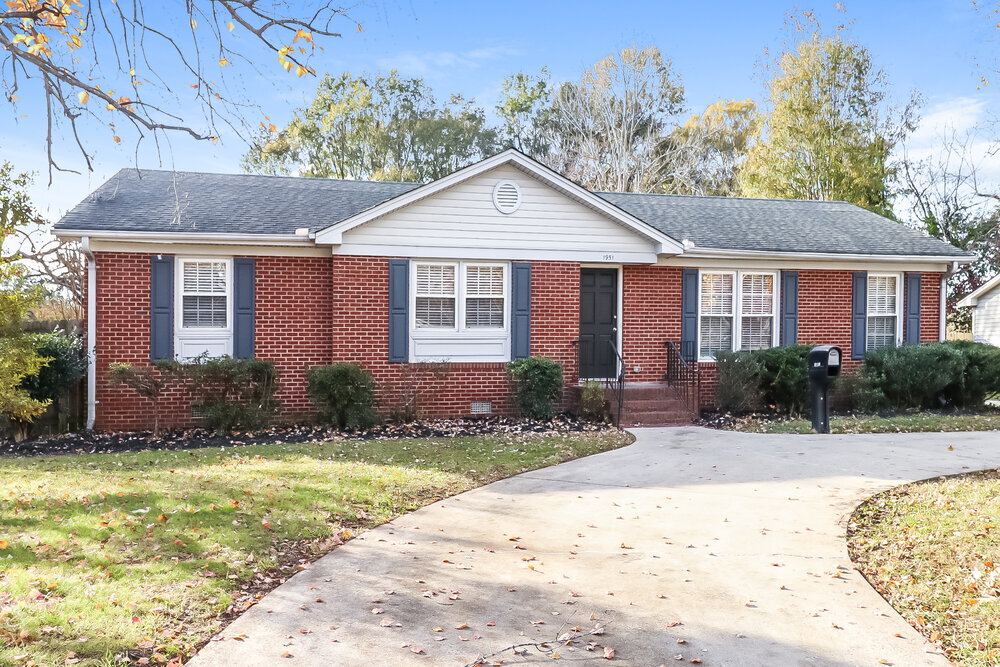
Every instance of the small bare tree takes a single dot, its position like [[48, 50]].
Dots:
[[945, 197]]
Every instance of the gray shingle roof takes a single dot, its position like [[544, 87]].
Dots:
[[779, 225], [166, 201], [150, 201]]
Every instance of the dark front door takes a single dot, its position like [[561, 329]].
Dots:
[[598, 323]]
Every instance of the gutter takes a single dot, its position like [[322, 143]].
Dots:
[[298, 239], [91, 332], [722, 253]]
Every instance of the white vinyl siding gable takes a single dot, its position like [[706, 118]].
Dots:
[[462, 221], [986, 319]]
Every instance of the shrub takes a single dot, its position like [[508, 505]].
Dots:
[[65, 366], [911, 376], [233, 393], [147, 381], [593, 401], [981, 377], [739, 377], [537, 383], [784, 381], [344, 395]]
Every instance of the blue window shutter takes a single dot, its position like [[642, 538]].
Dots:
[[161, 307], [520, 310], [789, 307], [399, 310], [913, 308], [243, 307], [689, 314], [859, 315]]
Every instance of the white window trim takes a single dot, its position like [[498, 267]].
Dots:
[[184, 334], [460, 333], [899, 306], [738, 305]]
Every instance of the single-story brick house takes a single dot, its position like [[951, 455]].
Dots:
[[434, 287]]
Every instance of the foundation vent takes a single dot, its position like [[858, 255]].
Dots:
[[481, 408]]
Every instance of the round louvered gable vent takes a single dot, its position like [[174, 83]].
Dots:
[[507, 196]]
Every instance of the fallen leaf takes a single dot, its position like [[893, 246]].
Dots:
[[609, 653]]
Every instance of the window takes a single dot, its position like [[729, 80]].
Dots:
[[436, 296], [883, 311], [204, 295], [460, 296], [459, 311], [737, 312], [202, 301]]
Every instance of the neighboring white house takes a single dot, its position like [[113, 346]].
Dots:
[[985, 303]]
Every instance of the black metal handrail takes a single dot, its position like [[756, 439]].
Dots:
[[683, 372], [617, 384]]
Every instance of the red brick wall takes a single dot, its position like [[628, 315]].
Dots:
[[314, 311], [930, 307], [651, 314], [361, 335], [293, 329]]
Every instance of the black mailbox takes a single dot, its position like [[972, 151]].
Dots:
[[823, 364]]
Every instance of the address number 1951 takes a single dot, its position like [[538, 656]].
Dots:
[[608, 258]]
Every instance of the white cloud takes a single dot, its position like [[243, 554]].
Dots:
[[432, 63]]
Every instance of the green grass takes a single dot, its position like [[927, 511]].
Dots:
[[140, 553], [916, 423], [933, 550]]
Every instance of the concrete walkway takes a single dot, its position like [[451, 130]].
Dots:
[[720, 547]]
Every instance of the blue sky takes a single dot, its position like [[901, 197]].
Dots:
[[940, 48]]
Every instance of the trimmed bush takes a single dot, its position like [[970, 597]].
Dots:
[[981, 377], [537, 383], [739, 378], [344, 395], [784, 381], [233, 393], [911, 376], [593, 401]]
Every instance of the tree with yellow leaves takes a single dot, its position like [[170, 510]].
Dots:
[[106, 61], [18, 356]]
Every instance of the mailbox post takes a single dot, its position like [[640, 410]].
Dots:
[[823, 366]]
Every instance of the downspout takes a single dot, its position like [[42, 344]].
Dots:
[[91, 332], [943, 303]]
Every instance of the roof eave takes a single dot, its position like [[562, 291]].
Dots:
[[188, 237], [699, 251]]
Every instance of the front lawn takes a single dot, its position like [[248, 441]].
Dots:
[[143, 555], [922, 422], [932, 549]]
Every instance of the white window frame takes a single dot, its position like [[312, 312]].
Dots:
[[899, 307], [220, 338], [469, 343], [738, 305]]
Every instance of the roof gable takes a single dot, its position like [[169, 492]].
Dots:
[[663, 243]]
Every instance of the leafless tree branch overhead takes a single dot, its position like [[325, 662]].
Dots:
[[107, 62]]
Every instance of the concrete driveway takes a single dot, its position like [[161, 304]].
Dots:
[[691, 544]]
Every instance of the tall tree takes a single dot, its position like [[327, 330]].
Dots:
[[829, 132], [608, 128], [526, 115], [375, 127], [111, 62], [18, 356], [945, 197], [709, 148]]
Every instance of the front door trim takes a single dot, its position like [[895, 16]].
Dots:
[[620, 268]]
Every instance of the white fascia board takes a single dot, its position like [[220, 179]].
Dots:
[[187, 237], [333, 235], [498, 254], [985, 288], [715, 253]]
